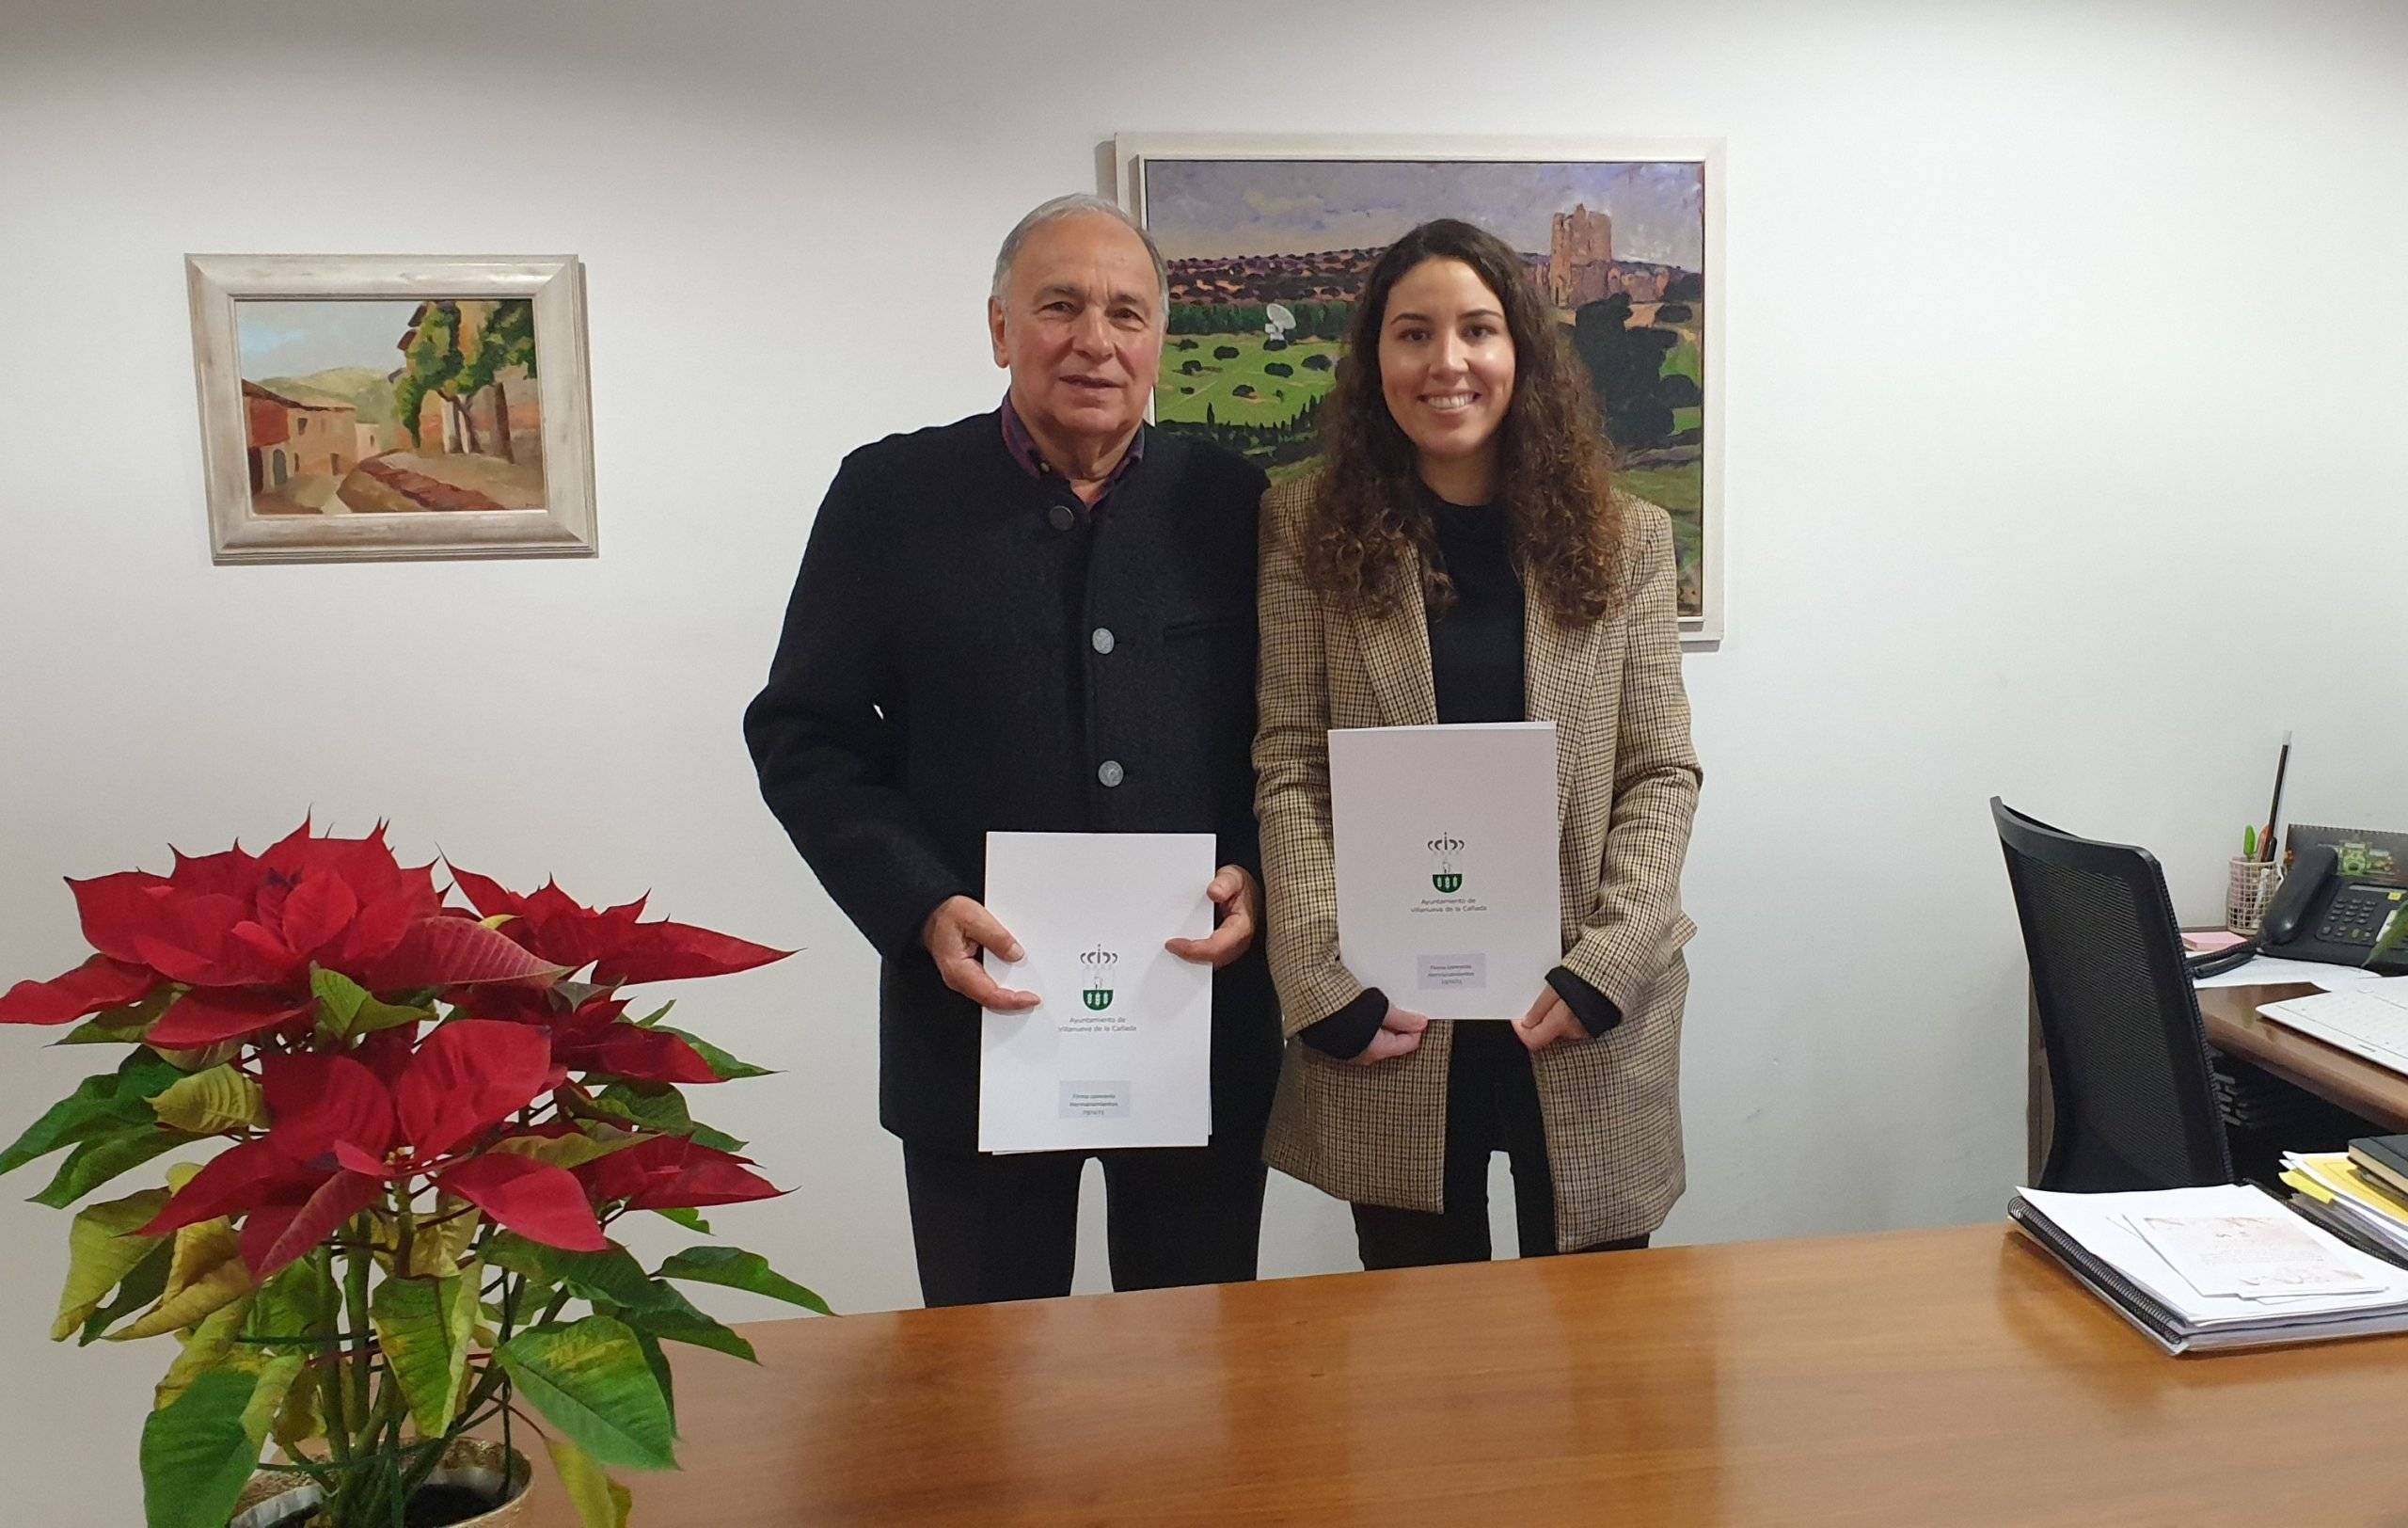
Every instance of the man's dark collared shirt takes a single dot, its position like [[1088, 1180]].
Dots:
[[1023, 446]]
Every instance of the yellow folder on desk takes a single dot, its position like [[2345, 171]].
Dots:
[[2329, 1174]]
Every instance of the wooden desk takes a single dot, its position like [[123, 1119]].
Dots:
[[1946, 1377], [2230, 1017]]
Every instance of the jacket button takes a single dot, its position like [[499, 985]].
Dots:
[[1110, 773], [1101, 638], [1061, 517]]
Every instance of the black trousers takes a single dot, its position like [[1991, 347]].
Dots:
[[1005, 1228], [1492, 1107]]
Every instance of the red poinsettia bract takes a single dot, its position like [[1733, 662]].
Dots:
[[238, 934], [338, 1135], [620, 948], [670, 1172]]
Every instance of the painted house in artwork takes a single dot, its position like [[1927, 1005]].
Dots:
[[290, 438], [503, 419]]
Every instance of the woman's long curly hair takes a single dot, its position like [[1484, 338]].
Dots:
[[1554, 476]]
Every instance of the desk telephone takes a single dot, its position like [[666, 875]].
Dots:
[[2321, 913]]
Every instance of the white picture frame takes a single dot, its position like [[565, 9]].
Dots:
[[1705, 620], [250, 521]]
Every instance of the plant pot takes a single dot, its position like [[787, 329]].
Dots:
[[475, 1464]]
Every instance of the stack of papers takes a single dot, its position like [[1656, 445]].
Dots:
[[2270, 971], [2370, 1020], [2338, 1195], [2205, 1269]]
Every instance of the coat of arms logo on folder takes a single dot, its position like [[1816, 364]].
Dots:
[[1099, 962], [1444, 874]]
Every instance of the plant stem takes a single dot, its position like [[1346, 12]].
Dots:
[[363, 1336], [327, 1364], [424, 1457], [406, 1232]]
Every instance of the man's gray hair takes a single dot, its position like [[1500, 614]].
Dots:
[[1075, 205]]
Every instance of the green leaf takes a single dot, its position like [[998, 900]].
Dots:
[[339, 998], [426, 1325], [589, 1381], [296, 1306], [600, 1502], [656, 1015], [100, 1254], [209, 1346], [146, 1283], [723, 1066], [675, 1319], [375, 1016], [2395, 933], [617, 1285], [105, 1030], [120, 1025], [346, 1009], [198, 1451], [739, 1269], [98, 1160], [691, 1219], [214, 1277], [658, 1105], [566, 1151], [212, 1102], [657, 1361], [99, 1106], [613, 1276]]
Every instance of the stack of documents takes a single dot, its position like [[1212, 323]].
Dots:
[[2204, 1269], [2338, 1195]]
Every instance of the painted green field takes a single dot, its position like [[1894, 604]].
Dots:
[[1677, 488], [1182, 396], [1684, 358]]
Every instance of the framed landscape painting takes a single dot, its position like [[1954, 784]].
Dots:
[[364, 406], [1268, 241]]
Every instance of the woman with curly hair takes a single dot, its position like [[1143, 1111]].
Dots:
[[1462, 556]]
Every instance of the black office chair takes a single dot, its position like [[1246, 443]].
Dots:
[[2128, 1058]]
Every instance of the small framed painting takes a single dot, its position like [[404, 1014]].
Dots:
[[378, 407]]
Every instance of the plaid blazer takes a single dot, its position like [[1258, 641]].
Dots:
[[1626, 786]]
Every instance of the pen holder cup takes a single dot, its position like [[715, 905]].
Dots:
[[2249, 885]]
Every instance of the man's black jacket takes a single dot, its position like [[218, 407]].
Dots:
[[970, 648]]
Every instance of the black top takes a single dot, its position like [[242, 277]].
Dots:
[[969, 649], [1476, 648], [1476, 670]]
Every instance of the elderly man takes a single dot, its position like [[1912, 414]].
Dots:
[[1039, 618]]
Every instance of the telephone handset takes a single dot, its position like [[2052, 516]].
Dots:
[[2320, 914]]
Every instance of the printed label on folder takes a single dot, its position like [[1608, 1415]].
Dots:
[[1453, 973], [1095, 1101]]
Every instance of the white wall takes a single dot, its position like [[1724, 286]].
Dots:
[[2066, 357]]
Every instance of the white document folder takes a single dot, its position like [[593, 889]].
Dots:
[[1119, 1050], [1448, 898]]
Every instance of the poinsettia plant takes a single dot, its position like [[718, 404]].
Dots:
[[431, 1118]]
